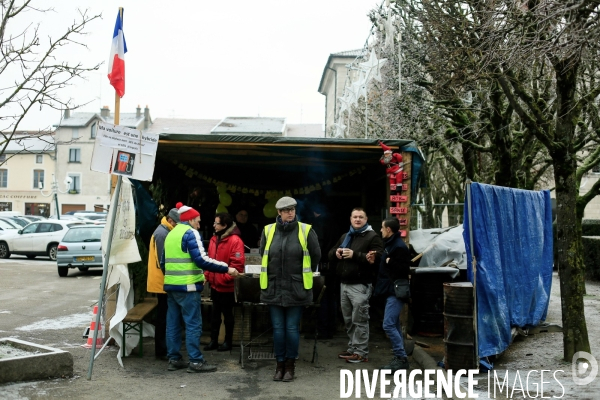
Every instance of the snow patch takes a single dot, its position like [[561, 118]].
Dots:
[[69, 321]]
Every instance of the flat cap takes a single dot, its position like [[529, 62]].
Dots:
[[285, 202]]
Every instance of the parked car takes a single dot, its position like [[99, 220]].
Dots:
[[32, 218], [7, 226], [80, 248], [22, 222], [36, 239]]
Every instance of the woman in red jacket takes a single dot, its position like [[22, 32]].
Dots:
[[226, 245]]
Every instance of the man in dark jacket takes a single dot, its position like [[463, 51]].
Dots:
[[356, 276], [394, 265]]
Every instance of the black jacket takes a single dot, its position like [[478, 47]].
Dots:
[[398, 266], [357, 269], [284, 269]]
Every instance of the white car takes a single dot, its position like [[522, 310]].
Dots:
[[36, 239]]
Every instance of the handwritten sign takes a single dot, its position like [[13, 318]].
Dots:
[[127, 139], [398, 199], [402, 221], [398, 210], [402, 233], [124, 151]]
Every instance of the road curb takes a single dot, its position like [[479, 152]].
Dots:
[[425, 361]]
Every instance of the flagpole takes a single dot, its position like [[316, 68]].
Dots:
[[113, 215]]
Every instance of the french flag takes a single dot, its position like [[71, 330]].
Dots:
[[116, 61]]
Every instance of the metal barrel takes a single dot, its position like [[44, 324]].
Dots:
[[247, 288], [459, 336]]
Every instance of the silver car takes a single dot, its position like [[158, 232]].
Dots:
[[80, 248]]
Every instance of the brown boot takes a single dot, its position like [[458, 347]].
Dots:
[[290, 368], [279, 371]]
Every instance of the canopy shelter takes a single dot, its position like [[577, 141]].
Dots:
[[333, 175]]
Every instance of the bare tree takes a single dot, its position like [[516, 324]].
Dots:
[[31, 72]]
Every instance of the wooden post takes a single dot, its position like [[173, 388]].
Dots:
[[399, 203]]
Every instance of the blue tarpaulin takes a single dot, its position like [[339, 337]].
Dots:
[[512, 239]]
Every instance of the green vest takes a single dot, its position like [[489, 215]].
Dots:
[[180, 269], [307, 276]]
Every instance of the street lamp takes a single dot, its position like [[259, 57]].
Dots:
[[54, 191]]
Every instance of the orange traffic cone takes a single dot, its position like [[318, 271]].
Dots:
[[90, 336]]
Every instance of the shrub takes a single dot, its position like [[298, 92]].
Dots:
[[591, 256], [590, 227]]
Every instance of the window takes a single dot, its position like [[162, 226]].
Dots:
[[38, 178], [3, 178], [39, 159], [74, 155], [5, 206], [30, 228], [75, 133], [42, 209], [94, 126], [75, 184], [596, 169], [2, 157], [45, 228]]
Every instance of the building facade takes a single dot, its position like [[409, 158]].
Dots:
[[27, 166]]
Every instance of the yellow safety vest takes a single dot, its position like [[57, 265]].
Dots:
[[180, 269], [307, 276]]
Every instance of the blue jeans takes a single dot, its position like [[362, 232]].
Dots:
[[286, 331], [186, 305], [391, 325]]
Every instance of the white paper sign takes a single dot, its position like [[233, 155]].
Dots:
[[123, 151], [126, 139], [124, 249]]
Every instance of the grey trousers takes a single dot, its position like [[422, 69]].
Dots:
[[355, 309]]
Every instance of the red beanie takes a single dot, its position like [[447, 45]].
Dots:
[[385, 148], [186, 213]]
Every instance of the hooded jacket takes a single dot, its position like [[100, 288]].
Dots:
[[284, 270], [229, 248], [156, 278], [357, 270]]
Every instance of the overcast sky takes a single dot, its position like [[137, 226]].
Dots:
[[212, 59]]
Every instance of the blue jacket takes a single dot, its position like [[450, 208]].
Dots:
[[398, 266], [191, 243]]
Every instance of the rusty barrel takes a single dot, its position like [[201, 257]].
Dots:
[[459, 334], [247, 288]]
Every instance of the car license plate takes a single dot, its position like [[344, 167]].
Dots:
[[84, 258]]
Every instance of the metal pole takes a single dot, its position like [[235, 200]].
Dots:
[[366, 119], [474, 264], [56, 201], [113, 214]]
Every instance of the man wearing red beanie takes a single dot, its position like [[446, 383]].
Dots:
[[184, 262]]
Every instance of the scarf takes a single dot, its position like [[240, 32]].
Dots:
[[286, 222], [353, 232]]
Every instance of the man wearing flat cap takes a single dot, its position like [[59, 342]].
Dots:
[[156, 280]]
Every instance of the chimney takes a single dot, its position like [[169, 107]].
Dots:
[[67, 113], [138, 111], [147, 120], [105, 112]]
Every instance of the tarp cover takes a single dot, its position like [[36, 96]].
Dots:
[[512, 238], [440, 246]]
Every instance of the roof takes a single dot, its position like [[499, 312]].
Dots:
[[250, 126], [305, 130], [184, 126], [80, 119], [31, 143], [342, 54], [252, 155]]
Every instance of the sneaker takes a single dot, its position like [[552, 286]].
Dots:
[[355, 358], [346, 354], [201, 367], [174, 365], [397, 363]]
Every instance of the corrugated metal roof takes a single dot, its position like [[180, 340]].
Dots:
[[80, 119], [32, 143], [184, 126], [250, 126]]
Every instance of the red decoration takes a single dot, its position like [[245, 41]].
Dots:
[[398, 198], [393, 165]]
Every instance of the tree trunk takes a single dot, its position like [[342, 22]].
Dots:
[[569, 246]]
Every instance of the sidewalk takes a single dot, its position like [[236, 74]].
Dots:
[[524, 360]]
